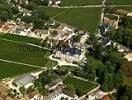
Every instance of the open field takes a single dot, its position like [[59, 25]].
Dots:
[[119, 2], [82, 18], [82, 86], [9, 69], [80, 2], [23, 53]]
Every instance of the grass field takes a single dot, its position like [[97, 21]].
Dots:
[[119, 2], [25, 54], [82, 86], [82, 18], [80, 2], [9, 69]]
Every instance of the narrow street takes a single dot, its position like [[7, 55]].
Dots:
[[102, 14]]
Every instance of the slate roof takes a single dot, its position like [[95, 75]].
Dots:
[[105, 41], [24, 79], [70, 51]]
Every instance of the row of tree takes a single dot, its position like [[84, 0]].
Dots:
[[37, 18], [7, 11], [123, 34], [105, 64], [108, 65]]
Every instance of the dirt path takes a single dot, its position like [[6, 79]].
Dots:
[[20, 63]]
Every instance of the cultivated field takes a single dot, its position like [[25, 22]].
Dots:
[[10, 69], [17, 53], [20, 38], [21, 52], [82, 86], [82, 18], [119, 2], [80, 2]]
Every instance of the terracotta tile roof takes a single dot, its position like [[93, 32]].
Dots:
[[32, 94], [6, 27], [106, 97]]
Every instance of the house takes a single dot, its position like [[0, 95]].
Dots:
[[100, 94], [33, 95], [105, 41], [54, 2], [69, 54], [128, 56], [57, 91], [60, 93], [39, 34], [1, 24], [129, 14], [24, 2], [91, 97], [25, 80], [53, 85], [70, 51]]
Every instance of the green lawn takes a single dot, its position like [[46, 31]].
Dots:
[[69, 68], [83, 86], [82, 18], [80, 2], [19, 53], [20, 38], [9, 69], [119, 2]]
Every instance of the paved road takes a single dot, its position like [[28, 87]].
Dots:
[[93, 6], [102, 14], [87, 6], [120, 5], [61, 63]]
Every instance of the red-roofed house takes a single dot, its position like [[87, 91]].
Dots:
[[106, 97], [6, 27]]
